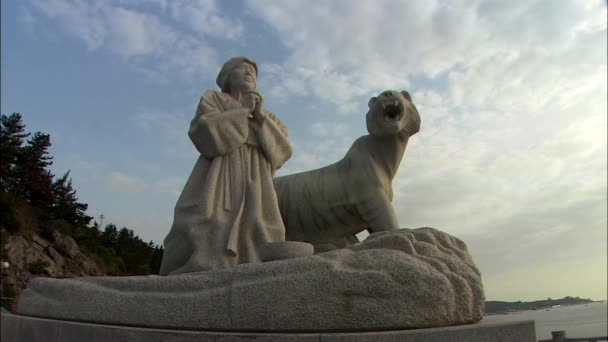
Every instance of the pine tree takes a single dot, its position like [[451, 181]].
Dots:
[[157, 257], [109, 235], [11, 140], [36, 186], [65, 203]]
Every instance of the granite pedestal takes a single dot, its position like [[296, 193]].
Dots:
[[24, 328], [404, 279]]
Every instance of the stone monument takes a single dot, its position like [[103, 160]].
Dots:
[[229, 273]]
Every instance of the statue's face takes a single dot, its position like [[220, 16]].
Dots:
[[243, 77]]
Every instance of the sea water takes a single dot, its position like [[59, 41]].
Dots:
[[584, 320]]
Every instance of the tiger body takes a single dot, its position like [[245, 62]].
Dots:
[[333, 203]]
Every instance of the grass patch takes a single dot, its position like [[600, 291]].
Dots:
[[38, 267]]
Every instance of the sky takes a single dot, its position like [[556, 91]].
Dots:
[[511, 156]]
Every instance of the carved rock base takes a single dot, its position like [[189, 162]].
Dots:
[[409, 278], [20, 328]]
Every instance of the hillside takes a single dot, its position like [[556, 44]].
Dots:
[[35, 246], [30, 255], [44, 229]]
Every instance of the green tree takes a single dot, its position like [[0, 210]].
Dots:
[[37, 179], [109, 236], [65, 203], [157, 257], [12, 135]]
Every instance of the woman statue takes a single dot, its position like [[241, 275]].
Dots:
[[228, 209]]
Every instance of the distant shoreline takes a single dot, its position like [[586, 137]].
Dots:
[[539, 309], [499, 307]]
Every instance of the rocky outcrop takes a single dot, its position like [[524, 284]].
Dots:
[[30, 255], [409, 278], [59, 260], [71, 247]]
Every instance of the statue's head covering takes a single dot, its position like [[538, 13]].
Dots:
[[224, 75]]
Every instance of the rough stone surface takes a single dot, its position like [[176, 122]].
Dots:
[[409, 278], [59, 260], [285, 250], [40, 241], [71, 247], [23, 250], [19, 328], [57, 236]]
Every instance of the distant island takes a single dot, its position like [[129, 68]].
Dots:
[[498, 307]]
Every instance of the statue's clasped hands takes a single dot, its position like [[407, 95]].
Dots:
[[254, 103]]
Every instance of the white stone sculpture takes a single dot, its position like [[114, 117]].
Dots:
[[328, 206], [228, 209], [228, 215]]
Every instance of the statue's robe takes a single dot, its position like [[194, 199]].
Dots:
[[228, 208]]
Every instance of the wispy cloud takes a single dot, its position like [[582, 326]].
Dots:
[[330, 141], [132, 34], [122, 182], [27, 18], [151, 42], [536, 197], [78, 18], [330, 128], [170, 129], [171, 185], [337, 58], [205, 18]]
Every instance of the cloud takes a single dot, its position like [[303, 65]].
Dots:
[[151, 42], [121, 182], [172, 185], [340, 52], [205, 18], [77, 18], [321, 129], [168, 121], [132, 34], [532, 199], [330, 142], [172, 128], [82, 170], [27, 18]]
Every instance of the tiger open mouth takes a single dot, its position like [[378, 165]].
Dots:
[[392, 111]]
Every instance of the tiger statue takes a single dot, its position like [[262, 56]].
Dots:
[[329, 205]]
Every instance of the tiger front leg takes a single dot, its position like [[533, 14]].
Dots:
[[378, 213]]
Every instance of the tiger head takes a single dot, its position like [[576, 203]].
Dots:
[[392, 112]]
